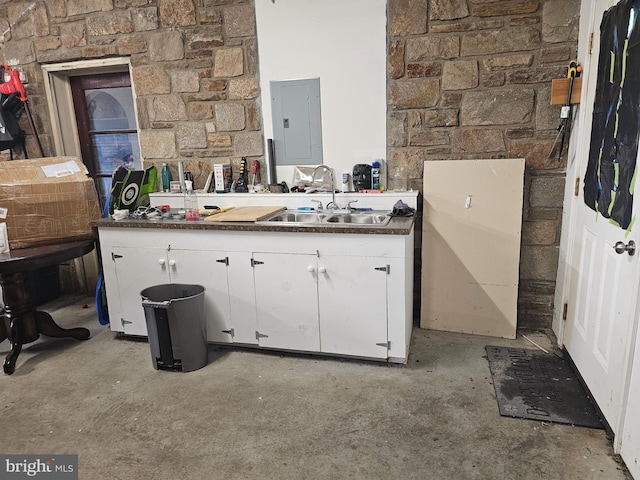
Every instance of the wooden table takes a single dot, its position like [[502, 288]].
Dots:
[[21, 322]]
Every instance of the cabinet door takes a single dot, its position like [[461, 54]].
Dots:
[[208, 269], [242, 298], [135, 269], [353, 306], [287, 301]]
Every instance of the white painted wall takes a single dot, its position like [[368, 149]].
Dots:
[[343, 42]]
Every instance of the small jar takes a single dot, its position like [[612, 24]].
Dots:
[[400, 179]]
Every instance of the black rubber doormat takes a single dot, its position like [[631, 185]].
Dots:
[[536, 385]]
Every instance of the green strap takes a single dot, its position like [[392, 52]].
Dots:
[[612, 65], [632, 184], [628, 231]]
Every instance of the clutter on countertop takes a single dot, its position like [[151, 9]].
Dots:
[[401, 209]]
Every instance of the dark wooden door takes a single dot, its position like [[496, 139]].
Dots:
[[107, 126]]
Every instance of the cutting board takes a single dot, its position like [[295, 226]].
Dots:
[[245, 214]]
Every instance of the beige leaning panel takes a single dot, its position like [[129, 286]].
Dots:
[[471, 245]]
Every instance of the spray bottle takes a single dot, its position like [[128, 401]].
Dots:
[[191, 202]]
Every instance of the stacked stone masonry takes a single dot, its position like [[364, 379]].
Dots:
[[472, 79], [194, 69], [466, 79]]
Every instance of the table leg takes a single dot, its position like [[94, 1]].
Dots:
[[19, 317], [22, 323], [16, 347], [47, 326], [4, 334]]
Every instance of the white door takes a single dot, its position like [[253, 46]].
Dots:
[[630, 437], [208, 269], [242, 298], [602, 284], [287, 301], [136, 269], [353, 306]]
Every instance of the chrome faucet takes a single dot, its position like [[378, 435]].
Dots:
[[333, 204]]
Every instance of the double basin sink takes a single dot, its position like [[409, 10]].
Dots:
[[351, 218]]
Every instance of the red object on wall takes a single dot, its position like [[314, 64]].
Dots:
[[14, 84]]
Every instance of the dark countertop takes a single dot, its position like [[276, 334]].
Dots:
[[396, 226]]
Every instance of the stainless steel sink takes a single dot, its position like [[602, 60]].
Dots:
[[360, 218], [296, 217], [369, 218]]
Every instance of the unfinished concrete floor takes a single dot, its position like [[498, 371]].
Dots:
[[261, 415]]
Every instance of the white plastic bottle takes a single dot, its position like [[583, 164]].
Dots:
[[190, 202], [375, 175]]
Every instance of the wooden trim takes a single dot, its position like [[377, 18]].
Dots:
[[79, 84], [82, 120], [102, 80], [59, 101]]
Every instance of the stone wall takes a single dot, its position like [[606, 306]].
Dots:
[[472, 79], [194, 69], [466, 79]]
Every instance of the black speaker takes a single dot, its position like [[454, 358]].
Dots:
[[131, 188], [361, 177]]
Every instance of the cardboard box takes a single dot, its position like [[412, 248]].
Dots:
[[45, 200]]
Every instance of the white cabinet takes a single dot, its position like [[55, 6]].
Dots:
[[242, 311], [331, 304], [129, 270], [209, 269], [287, 301], [339, 294], [352, 294]]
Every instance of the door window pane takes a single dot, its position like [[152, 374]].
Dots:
[[110, 109], [112, 150], [104, 188]]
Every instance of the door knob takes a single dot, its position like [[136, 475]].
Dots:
[[621, 247], [172, 263], [311, 268], [322, 270], [161, 261]]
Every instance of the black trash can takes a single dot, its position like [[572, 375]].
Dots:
[[176, 325]]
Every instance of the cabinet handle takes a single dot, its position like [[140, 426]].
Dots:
[[172, 263], [311, 268], [161, 261], [322, 270]]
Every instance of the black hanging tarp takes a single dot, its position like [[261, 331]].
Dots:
[[610, 175]]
